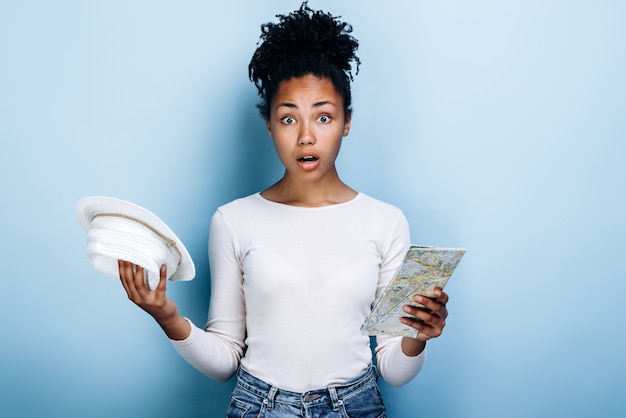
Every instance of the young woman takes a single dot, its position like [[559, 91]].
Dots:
[[296, 268]]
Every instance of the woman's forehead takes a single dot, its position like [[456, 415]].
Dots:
[[309, 88]]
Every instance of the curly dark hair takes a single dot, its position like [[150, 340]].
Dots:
[[301, 43]]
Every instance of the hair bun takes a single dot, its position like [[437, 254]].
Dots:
[[300, 33]]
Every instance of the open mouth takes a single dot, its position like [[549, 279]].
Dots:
[[307, 159]]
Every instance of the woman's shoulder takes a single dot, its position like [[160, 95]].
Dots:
[[241, 204], [377, 205]]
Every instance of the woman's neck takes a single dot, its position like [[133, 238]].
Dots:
[[291, 192]]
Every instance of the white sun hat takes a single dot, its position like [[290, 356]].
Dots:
[[120, 230]]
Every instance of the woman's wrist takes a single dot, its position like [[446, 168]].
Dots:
[[174, 325], [412, 347]]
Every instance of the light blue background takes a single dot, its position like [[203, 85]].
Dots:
[[498, 126]]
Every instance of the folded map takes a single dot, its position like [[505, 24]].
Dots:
[[423, 270]]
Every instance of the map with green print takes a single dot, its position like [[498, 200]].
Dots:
[[423, 269]]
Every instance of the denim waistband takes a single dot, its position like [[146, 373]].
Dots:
[[329, 395]]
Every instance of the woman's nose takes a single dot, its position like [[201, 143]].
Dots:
[[306, 136]]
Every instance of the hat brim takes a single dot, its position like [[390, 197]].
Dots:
[[89, 207]]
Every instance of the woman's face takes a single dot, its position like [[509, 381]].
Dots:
[[307, 123]]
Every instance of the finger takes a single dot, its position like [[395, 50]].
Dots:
[[441, 295], [423, 315], [127, 277], [140, 279], [126, 272], [425, 330], [432, 305], [121, 265], [429, 319], [162, 279]]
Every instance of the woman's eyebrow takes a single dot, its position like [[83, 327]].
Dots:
[[287, 104], [316, 104], [324, 103]]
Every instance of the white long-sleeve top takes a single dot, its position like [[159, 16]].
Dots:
[[290, 288]]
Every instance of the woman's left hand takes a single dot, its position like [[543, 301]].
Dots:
[[429, 320]]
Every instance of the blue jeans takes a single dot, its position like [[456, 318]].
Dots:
[[359, 397]]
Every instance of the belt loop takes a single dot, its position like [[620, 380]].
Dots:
[[270, 398], [374, 371], [334, 398]]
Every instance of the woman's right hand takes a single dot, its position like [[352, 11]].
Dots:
[[154, 302]]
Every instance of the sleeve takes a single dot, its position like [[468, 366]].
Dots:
[[217, 350], [395, 367]]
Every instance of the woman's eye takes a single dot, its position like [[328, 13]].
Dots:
[[324, 119], [288, 120]]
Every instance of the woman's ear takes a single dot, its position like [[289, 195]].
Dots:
[[346, 125], [269, 129]]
